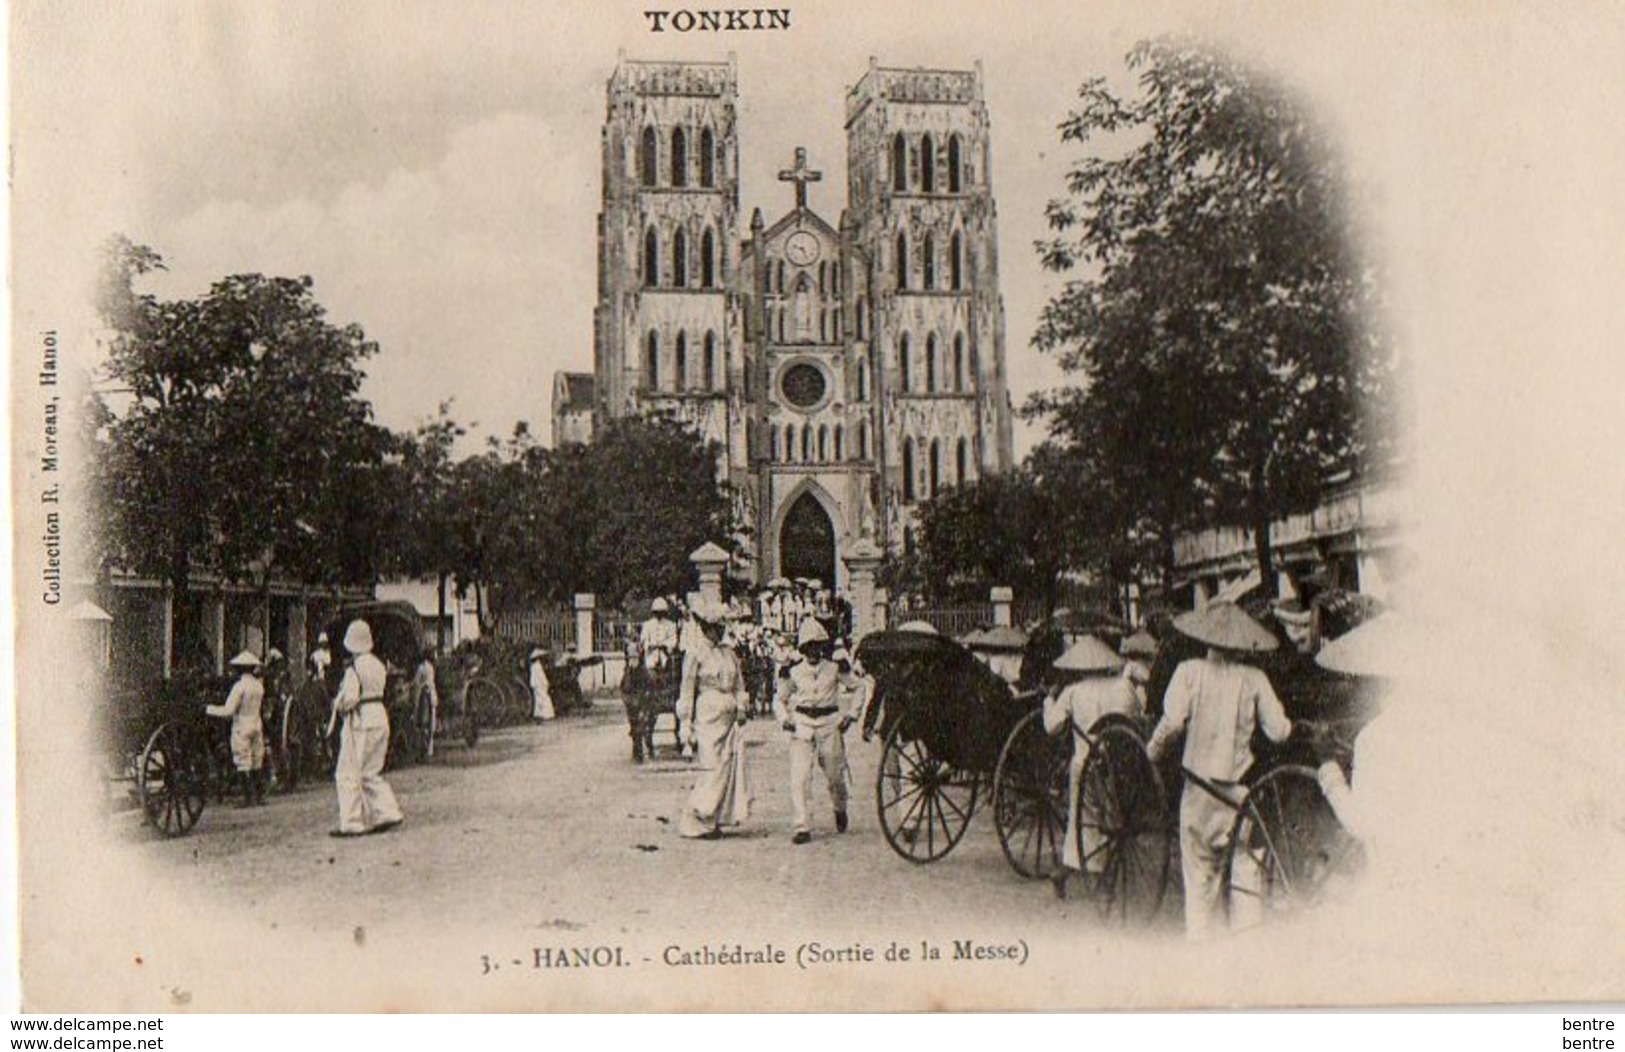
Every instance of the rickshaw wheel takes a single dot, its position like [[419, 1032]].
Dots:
[[924, 802], [485, 701], [171, 780], [1122, 828], [297, 748], [1029, 797], [1287, 848], [406, 745], [471, 723]]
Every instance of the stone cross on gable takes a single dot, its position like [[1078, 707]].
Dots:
[[801, 175]]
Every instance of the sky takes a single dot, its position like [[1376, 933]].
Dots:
[[435, 168]]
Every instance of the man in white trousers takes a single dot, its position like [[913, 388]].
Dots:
[[808, 705], [366, 802]]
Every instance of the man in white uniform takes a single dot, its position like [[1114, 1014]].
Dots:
[[1216, 702], [242, 707], [658, 636], [808, 704], [366, 802], [320, 658]]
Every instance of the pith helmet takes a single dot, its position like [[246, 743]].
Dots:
[[358, 638], [811, 632], [659, 606], [247, 659], [1088, 654], [1225, 625]]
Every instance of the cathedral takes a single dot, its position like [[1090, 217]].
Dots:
[[846, 370]]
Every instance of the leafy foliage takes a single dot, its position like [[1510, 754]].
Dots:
[[238, 439], [1216, 322]]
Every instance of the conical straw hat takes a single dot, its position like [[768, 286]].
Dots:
[[1089, 654], [1226, 626], [1375, 648], [1002, 637], [1140, 644]]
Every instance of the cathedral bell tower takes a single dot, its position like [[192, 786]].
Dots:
[[926, 304], [667, 329]]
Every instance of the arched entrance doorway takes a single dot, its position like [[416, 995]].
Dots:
[[807, 542]]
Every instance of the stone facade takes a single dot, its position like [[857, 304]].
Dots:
[[848, 371]]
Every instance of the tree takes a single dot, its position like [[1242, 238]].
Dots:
[[636, 502], [237, 440], [1019, 528], [1218, 322], [425, 492]]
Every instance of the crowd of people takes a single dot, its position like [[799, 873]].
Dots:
[[790, 655]]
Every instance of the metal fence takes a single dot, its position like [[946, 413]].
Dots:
[[553, 629], [611, 631], [952, 621]]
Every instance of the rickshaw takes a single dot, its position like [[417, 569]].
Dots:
[[1285, 844], [954, 732], [174, 758]]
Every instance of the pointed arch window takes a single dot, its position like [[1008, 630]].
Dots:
[[651, 361], [823, 442], [679, 157], [806, 443], [931, 363], [651, 258], [935, 467], [840, 432], [782, 282], [863, 380], [679, 259], [863, 441], [955, 176], [899, 163], [680, 361], [789, 441], [708, 260], [959, 462], [908, 471], [928, 165], [708, 159], [902, 364], [648, 156], [709, 380], [959, 361], [863, 318], [902, 260], [956, 262], [928, 262]]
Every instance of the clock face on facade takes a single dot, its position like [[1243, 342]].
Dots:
[[802, 248], [803, 385]]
